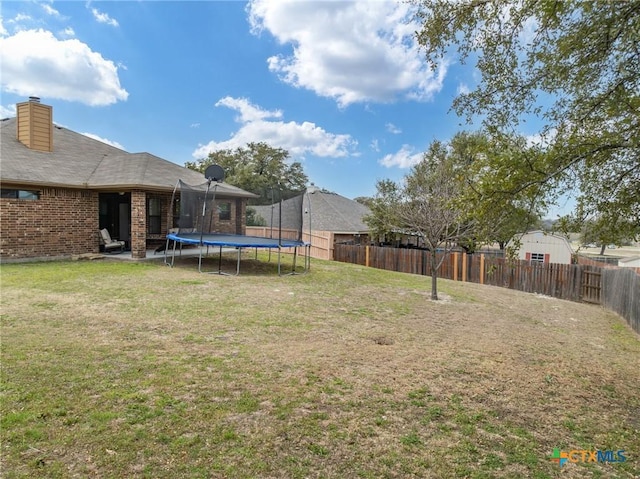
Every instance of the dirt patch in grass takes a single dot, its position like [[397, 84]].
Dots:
[[131, 370]]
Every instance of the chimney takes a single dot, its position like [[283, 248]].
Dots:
[[35, 124]]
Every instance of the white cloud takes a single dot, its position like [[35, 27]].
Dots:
[[68, 32], [406, 157], [257, 125], [542, 139], [34, 62], [375, 146], [103, 18], [20, 21], [50, 10], [7, 112], [530, 30], [103, 140], [356, 51], [391, 128], [248, 112], [463, 89], [21, 17]]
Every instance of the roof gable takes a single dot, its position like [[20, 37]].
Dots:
[[543, 237], [326, 212], [78, 161]]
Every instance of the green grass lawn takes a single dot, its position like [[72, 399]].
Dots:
[[126, 370]]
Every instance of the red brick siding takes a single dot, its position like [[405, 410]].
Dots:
[[225, 226], [62, 222], [138, 224], [239, 212], [166, 218], [236, 225]]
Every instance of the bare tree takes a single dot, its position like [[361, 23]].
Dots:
[[431, 206]]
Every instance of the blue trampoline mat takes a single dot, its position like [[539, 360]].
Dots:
[[236, 241]]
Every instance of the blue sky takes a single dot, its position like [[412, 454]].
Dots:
[[341, 85]]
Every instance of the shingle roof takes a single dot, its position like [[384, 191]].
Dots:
[[78, 161], [326, 211]]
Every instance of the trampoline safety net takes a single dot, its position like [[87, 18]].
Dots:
[[287, 215], [197, 209], [197, 212], [195, 205]]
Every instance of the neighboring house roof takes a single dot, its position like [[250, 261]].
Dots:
[[326, 211], [78, 161], [539, 236], [629, 261]]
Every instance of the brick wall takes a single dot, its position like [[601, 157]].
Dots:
[[138, 224], [240, 210], [62, 222], [236, 224]]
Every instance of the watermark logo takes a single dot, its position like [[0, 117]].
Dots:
[[582, 455]]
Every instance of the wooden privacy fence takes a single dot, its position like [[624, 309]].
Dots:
[[621, 293], [321, 241], [616, 289]]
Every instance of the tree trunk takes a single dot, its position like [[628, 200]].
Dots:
[[602, 249], [434, 276]]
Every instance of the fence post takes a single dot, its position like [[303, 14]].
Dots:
[[455, 266], [482, 268], [366, 256], [464, 267]]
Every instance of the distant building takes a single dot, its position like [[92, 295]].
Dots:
[[629, 262], [541, 247], [324, 215]]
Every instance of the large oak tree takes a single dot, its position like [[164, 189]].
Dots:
[[258, 168], [575, 65]]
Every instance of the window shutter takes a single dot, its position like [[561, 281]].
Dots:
[[528, 257], [547, 256]]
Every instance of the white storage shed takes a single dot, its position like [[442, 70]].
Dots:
[[541, 247]]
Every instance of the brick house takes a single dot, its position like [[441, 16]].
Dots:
[[59, 188]]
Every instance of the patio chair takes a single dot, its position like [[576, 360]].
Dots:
[[110, 244]]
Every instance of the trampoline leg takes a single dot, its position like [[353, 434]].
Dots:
[[279, 273], [173, 256], [295, 254], [200, 260], [166, 250], [166, 247]]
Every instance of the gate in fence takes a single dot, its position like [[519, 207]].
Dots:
[[591, 286]]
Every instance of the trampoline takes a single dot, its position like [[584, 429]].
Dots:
[[238, 242], [196, 227]]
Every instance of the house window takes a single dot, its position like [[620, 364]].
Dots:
[[154, 216], [224, 211], [537, 257], [19, 194]]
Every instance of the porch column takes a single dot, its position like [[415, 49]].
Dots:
[[241, 216], [138, 224]]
